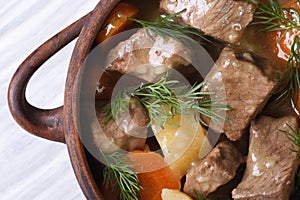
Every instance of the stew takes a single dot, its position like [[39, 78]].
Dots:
[[209, 108]]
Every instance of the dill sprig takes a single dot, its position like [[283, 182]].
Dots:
[[273, 17], [120, 105], [119, 174], [294, 136], [163, 100], [289, 82], [169, 26]]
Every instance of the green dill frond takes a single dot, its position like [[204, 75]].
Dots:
[[164, 99], [119, 174], [169, 26], [289, 82], [294, 136], [272, 17]]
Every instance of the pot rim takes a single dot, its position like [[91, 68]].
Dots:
[[74, 144]]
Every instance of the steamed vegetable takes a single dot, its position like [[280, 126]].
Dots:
[[181, 145], [285, 36], [153, 174], [168, 194]]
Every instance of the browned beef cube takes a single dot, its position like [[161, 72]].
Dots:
[[216, 169], [127, 132], [148, 57], [224, 19], [271, 164], [246, 83]]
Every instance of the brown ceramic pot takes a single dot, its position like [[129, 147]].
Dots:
[[60, 124]]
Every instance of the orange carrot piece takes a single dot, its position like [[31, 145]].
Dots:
[[284, 42], [153, 174], [283, 46], [117, 21]]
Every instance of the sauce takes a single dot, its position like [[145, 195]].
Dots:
[[251, 41]]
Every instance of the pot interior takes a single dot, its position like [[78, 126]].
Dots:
[[88, 102]]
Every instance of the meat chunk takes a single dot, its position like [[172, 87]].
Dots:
[[216, 169], [245, 83], [271, 165], [148, 56], [224, 19], [128, 132]]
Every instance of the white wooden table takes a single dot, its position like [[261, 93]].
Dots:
[[31, 167]]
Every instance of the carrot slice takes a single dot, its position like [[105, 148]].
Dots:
[[153, 174], [283, 41], [283, 46], [117, 21]]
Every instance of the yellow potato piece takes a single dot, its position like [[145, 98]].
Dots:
[[184, 144], [170, 194]]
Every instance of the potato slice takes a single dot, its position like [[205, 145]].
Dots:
[[182, 145], [168, 194]]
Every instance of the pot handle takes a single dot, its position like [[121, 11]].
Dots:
[[45, 123]]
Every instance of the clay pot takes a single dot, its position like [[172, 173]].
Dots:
[[60, 124]]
